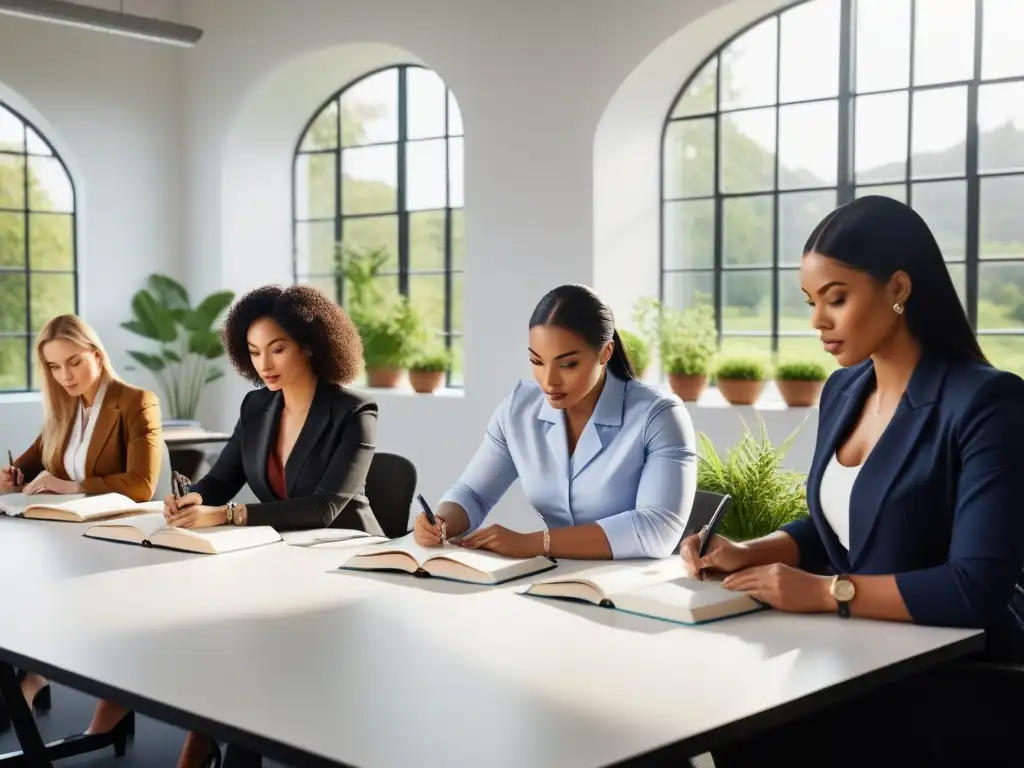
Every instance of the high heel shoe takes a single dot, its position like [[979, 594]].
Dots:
[[213, 760], [80, 743], [42, 701]]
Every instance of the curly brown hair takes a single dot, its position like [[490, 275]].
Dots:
[[310, 317]]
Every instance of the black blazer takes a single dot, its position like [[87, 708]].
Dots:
[[326, 470], [938, 500]]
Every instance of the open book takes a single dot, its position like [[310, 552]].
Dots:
[[74, 508], [152, 531], [325, 536], [447, 562], [662, 590]]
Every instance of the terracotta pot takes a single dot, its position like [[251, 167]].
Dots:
[[383, 377], [799, 393], [425, 382], [687, 387], [740, 391]]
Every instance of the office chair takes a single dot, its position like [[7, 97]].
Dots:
[[390, 487], [705, 504]]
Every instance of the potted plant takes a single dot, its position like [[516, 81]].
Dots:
[[685, 340], [764, 495], [637, 350], [800, 382], [387, 323], [428, 367], [688, 364], [740, 379], [187, 339]]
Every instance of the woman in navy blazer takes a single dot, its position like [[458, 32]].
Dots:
[[914, 496]]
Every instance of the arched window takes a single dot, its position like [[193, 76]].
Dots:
[[833, 99], [394, 140], [37, 245]]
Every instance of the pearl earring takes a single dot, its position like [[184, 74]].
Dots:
[[897, 308]]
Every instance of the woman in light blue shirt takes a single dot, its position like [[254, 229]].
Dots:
[[607, 461]]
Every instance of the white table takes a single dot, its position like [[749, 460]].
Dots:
[[266, 649]]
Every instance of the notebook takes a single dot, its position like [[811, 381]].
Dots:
[[662, 590], [73, 508], [447, 562], [325, 536], [151, 531]]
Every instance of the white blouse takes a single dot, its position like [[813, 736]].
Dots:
[[81, 434], [834, 495]]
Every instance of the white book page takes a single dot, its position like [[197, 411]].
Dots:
[[478, 559], [15, 503], [619, 578], [317, 536], [103, 504], [148, 523]]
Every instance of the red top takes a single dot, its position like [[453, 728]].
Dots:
[[275, 476]]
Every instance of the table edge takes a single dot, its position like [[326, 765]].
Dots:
[[766, 719]]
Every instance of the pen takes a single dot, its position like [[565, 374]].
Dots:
[[16, 476], [10, 459], [426, 509]]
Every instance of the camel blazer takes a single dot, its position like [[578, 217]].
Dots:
[[125, 451]]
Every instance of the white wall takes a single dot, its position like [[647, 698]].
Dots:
[[111, 107], [562, 104]]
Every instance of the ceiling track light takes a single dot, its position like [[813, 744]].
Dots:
[[101, 20]]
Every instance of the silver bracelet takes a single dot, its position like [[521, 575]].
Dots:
[[444, 532], [232, 520]]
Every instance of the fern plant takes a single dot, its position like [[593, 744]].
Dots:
[[764, 495]]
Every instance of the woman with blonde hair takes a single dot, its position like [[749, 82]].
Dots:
[[99, 435]]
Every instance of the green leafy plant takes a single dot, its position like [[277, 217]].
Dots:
[[431, 358], [744, 368], [390, 328], [801, 370], [686, 339], [187, 340], [764, 495], [637, 350]]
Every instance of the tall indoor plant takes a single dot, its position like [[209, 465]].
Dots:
[[187, 342]]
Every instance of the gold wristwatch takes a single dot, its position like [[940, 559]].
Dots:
[[843, 591]]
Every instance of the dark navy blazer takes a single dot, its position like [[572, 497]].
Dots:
[[939, 499]]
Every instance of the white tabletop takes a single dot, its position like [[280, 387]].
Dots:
[[381, 670]]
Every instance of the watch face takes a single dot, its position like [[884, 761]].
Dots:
[[843, 590]]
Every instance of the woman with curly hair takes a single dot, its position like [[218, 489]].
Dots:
[[303, 442]]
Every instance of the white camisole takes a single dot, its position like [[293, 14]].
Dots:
[[834, 495]]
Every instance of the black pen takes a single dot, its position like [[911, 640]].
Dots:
[[426, 509], [15, 472]]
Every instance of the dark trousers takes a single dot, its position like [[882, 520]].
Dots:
[[957, 716]]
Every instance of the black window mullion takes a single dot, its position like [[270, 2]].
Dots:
[[28, 264], [973, 244], [403, 214], [775, 302], [339, 220], [717, 259], [844, 169], [910, 104], [448, 291]]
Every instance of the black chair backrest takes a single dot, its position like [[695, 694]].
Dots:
[[705, 504], [390, 487]]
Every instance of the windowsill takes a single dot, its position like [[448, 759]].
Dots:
[[404, 390], [770, 399], [20, 398]]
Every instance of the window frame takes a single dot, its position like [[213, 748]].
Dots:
[[29, 334], [401, 214], [846, 186]]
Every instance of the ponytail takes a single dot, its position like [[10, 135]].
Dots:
[[619, 364]]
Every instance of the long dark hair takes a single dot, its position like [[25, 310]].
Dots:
[[881, 236], [578, 309]]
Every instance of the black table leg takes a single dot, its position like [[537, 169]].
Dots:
[[33, 750]]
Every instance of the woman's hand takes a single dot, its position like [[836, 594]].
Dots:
[[174, 506], [784, 587], [199, 516], [47, 483], [502, 541], [723, 556], [425, 534], [10, 477]]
